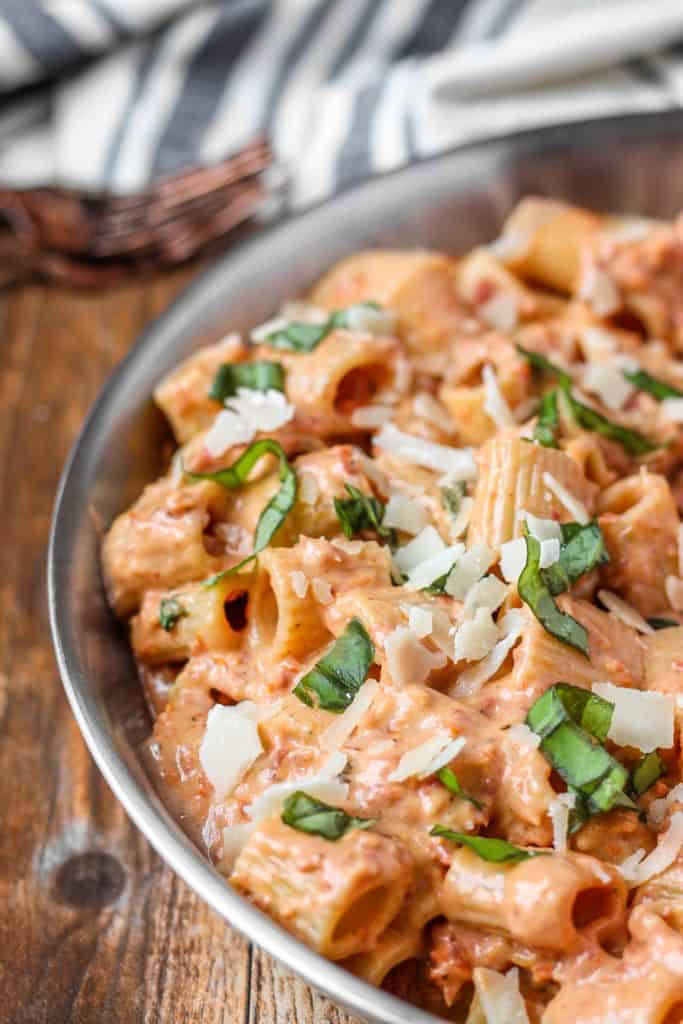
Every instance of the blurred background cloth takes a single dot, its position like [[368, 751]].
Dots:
[[114, 96]]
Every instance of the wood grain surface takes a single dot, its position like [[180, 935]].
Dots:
[[93, 926]]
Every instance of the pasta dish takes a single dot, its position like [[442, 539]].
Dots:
[[407, 611]]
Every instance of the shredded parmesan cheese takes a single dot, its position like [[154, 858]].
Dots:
[[404, 514], [499, 996], [672, 409], [371, 416], [599, 291], [230, 746], [458, 525], [489, 593], [656, 812], [428, 408], [472, 679], [641, 718], [458, 463], [576, 508], [550, 553], [523, 736], [475, 637], [609, 384], [500, 311], [623, 611], [323, 785], [299, 581], [495, 405], [336, 735], [513, 559], [408, 660], [663, 855], [469, 568], [309, 490], [247, 413], [420, 621], [559, 809], [542, 529], [370, 320]]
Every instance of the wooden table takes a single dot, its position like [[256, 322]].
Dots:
[[93, 926]]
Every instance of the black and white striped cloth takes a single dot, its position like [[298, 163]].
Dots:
[[112, 94]]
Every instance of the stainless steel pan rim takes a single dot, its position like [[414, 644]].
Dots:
[[147, 360]]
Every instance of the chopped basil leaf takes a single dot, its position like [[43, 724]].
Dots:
[[362, 512], [659, 389], [548, 421], [540, 362], [304, 813], [257, 376], [450, 780], [452, 497], [646, 772], [582, 549], [303, 337], [659, 623], [535, 592], [564, 702], [568, 719], [170, 610], [339, 675], [438, 586], [630, 440], [496, 851], [274, 513]]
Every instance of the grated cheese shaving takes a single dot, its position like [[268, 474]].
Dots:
[[230, 746], [427, 758], [657, 810], [458, 463], [469, 568], [625, 612], [371, 416], [247, 413], [489, 593], [500, 311], [672, 409], [663, 855], [428, 408], [420, 621], [609, 384], [559, 809], [404, 514], [426, 545], [641, 718], [370, 321], [475, 637], [458, 525], [472, 679], [409, 662], [299, 581], [550, 553], [513, 559], [336, 735], [542, 529], [599, 291], [576, 508], [499, 996], [323, 785], [495, 405], [523, 736], [309, 490]]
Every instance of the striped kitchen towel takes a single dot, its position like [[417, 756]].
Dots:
[[113, 95]]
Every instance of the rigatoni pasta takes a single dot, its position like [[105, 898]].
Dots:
[[408, 609]]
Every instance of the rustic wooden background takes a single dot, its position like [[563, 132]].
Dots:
[[93, 926]]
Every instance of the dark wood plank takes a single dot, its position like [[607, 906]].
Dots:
[[94, 927]]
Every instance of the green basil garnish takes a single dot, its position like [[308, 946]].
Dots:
[[660, 623], [534, 590], [362, 512], [630, 440], [659, 389], [495, 851], [572, 722], [548, 421], [302, 337], [450, 780], [452, 497], [274, 513], [646, 772], [170, 611], [582, 548], [339, 675], [305, 814], [257, 376]]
